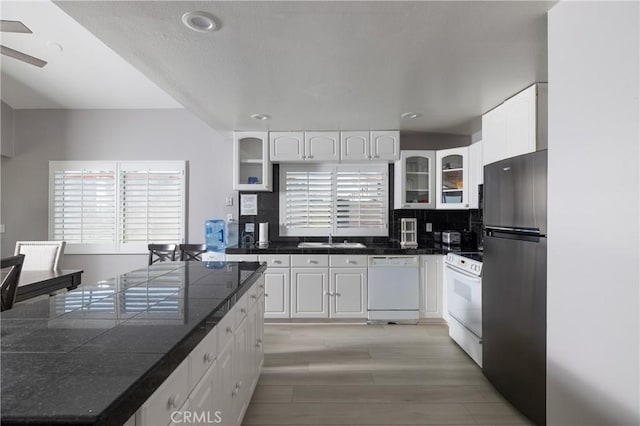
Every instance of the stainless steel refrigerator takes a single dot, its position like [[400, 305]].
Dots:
[[514, 281]]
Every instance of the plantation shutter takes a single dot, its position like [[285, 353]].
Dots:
[[361, 201], [151, 204], [83, 204], [308, 201], [341, 200]]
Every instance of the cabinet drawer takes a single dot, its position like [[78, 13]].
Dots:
[[241, 308], [310, 260], [347, 261], [202, 357], [275, 260], [168, 398], [225, 329], [242, 257]]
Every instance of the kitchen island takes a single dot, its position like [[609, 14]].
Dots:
[[108, 353]]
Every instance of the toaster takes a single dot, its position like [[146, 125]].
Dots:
[[450, 237]]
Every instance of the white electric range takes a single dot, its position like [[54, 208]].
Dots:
[[463, 278]]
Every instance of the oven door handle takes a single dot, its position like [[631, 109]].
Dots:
[[462, 272]]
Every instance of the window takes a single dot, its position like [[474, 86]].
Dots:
[[341, 200], [111, 207]]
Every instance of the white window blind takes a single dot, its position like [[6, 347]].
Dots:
[[341, 200], [361, 202], [110, 207], [151, 204], [83, 203]]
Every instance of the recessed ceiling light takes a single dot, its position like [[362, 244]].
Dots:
[[410, 115], [261, 117], [202, 22]]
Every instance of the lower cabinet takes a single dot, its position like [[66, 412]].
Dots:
[[431, 286], [215, 383], [348, 293], [309, 292]]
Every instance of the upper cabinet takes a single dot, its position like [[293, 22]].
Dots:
[[355, 146], [452, 178], [304, 146], [517, 126], [413, 181], [385, 145], [252, 168]]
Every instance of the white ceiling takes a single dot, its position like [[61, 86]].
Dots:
[[86, 74], [324, 65]]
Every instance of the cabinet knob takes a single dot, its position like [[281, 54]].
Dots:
[[208, 357], [243, 311], [173, 401], [253, 296], [336, 294], [261, 286], [312, 261], [276, 261], [326, 293], [351, 261], [309, 157], [266, 295], [229, 330]]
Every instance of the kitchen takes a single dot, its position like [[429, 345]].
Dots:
[[111, 131]]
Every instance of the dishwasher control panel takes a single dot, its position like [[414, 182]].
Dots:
[[391, 261]]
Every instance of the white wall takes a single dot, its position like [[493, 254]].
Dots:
[[6, 130], [593, 277], [44, 135]]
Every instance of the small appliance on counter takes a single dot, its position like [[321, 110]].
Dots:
[[263, 235], [408, 233], [451, 237]]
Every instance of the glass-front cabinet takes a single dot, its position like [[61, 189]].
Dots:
[[414, 177], [251, 164], [452, 178]]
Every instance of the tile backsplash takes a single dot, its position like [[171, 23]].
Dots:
[[458, 220]]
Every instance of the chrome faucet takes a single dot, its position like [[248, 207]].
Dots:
[[330, 239]]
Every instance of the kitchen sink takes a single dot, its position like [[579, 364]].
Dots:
[[332, 245]]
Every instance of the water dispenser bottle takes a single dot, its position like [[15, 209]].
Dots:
[[214, 235]]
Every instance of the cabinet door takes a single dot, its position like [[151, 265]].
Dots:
[[225, 391], [241, 373], [520, 112], [348, 293], [322, 146], [385, 145], [277, 290], [252, 350], [260, 334], [286, 146], [431, 287], [494, 135], [309, 293], [355, 146], [414, 180], [452, 178], [476, 175], [201, 401], [252, 167]]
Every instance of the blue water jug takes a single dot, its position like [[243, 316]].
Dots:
[[214, 235]]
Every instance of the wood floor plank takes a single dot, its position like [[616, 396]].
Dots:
[[355, 374]]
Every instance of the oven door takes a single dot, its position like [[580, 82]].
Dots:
[[464, 298]]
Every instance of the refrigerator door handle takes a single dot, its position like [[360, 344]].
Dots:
[[514, 234]]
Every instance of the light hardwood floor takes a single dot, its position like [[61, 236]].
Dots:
[[334, 374]]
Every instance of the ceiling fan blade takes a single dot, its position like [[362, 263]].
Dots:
[[13, 27], [7, 51]]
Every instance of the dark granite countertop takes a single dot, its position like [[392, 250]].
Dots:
[[371, 249], [95, 354]]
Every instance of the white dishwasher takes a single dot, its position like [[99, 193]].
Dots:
[[394, 288]]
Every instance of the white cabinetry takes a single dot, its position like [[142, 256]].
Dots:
[[517, 126], [348, 286], [309, 286], [304, 146], [414, 180], [277, 286], [251, 162], [452, 178], [476, 173], [218, 378], [366, 146], [431, 287]]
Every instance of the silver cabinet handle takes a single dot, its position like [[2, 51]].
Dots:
[[208, 357], [276, 261], [311, 261], [309, 157], [336, 294], [351, 262], [253, 296]]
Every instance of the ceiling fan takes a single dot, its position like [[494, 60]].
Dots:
[[18, 27]]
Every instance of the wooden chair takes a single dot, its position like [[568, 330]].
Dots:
[[162, 253], [9, 286], [41, 255], [192, 251]]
